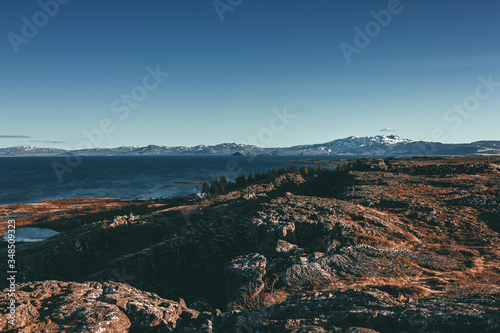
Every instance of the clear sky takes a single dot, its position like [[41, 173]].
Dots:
[[421, 69]]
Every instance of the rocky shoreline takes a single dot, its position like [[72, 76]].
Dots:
[[379, 245]]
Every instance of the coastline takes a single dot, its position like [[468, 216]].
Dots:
[[51, 213]]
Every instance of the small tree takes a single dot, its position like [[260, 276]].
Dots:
[[294, 169], [271, 173], [241, 180], [214, 187], [205, 188], [223, 182], [251, 178]]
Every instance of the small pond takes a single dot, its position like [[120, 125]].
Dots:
[[32, 234]]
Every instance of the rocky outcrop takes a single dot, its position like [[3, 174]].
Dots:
[[359, 311], [55, 306], [383, 245], [244, 276]]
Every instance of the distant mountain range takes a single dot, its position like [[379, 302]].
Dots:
[[380, 145]]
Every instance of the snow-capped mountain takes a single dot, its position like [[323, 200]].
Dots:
[[367, 141], [30, 151], [354, 145], [380, 145], [220, 149]]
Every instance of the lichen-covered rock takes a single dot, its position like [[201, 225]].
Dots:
[[122, 220], [91, 307], [143, 308], [284, 247], [244, 276]]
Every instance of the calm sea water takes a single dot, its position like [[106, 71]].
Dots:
[[32, 179]]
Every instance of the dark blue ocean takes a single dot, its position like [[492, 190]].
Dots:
[[32, 179]]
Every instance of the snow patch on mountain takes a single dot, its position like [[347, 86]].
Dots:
[[379, 145]]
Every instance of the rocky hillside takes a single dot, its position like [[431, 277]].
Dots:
[[378, 246]]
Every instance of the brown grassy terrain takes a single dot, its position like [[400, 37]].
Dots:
[[388, 245]]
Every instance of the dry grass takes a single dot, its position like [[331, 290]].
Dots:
[[268, 296], [405, 292], [487, 284], [310, 277]]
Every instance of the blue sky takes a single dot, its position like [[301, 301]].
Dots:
[[419, 69]]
